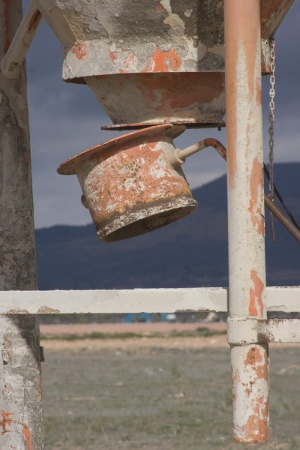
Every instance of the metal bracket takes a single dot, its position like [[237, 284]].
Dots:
[[245, 331]]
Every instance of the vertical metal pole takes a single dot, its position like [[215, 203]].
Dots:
[[246, 214], [20, 366]]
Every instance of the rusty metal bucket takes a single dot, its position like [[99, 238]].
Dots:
[[133, 184], [147, 62], [151, 62], [139, 100]]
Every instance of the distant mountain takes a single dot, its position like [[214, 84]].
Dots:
[[189, 253]]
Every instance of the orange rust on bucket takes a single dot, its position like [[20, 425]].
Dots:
[[133, 184], [191, 99]]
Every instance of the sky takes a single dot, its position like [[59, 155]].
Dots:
[[65, 119]]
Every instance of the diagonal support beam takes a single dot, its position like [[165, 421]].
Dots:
[[16, 52]]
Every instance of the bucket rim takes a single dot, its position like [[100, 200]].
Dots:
[[69, 166]]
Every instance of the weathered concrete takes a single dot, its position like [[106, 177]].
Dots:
[[20, 377]]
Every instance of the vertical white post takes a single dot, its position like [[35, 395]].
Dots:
[[246, 214], [20, 367]]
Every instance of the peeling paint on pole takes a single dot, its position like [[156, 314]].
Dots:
[[250, 393], [20, 368], [246, 215]]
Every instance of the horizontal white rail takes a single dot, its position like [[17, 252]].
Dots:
[[285, 299]]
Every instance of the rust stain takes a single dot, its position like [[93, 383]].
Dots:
[[257, 427], [79, 50], [132, 177], [6, 13], [27, 436], [253, 356], [256, 181], [258, 360], [6, 421], [127, 63], [256, 306], [138, 175], [246, 38], [113, 56], [156, 90], [269, 11], [262, 369], [161, 61], [34, 21], [148, 67]]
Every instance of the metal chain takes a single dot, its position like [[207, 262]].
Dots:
[[271, 194]]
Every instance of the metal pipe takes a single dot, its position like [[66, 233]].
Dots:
[[211, 142], [195, 148], [16, 52], [246, 214], [295, 232], [181, 155]]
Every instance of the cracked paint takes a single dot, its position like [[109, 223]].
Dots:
[[255, 203], [256, 303]]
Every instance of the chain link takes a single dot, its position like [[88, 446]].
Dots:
[[271, 129], [272, 120]]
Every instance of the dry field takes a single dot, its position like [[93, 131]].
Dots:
[[156, 388]]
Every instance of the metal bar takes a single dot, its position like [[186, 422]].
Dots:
[[114, 301], [280, 198], [290, 225], [279, 299], [16, 52], [21, 424], [246, 214]]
